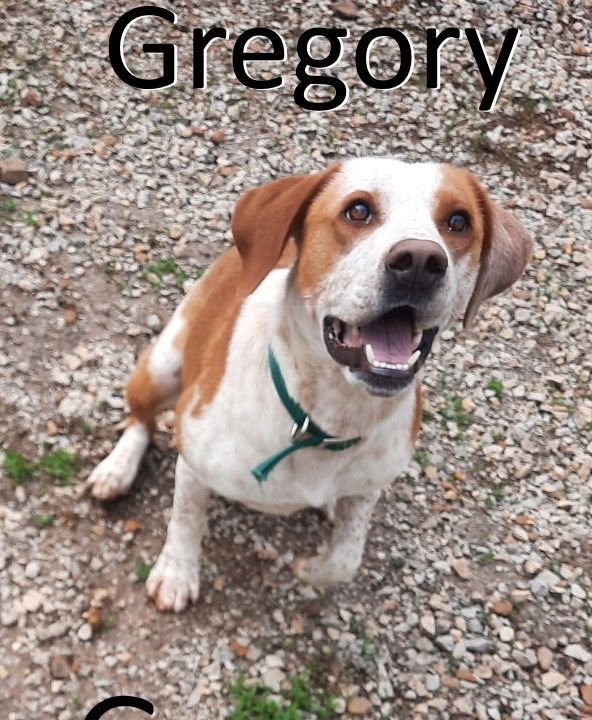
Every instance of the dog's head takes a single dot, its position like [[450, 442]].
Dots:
[[389, 254]]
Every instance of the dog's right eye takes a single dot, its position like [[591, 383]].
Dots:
[[359, 212]]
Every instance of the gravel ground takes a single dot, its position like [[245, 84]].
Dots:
[[474, 600]]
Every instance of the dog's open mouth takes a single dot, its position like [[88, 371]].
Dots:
[[386, 352]]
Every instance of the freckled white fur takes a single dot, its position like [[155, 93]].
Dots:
[[406, 196], [247, 402], [246, 423]]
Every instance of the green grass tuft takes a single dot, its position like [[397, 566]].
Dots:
[[61, 465], [17, 467], [300, 701], [496, 386], [486, 558], [142, 570], [157, 271], [42, 521], [421, 458], [452, 411]]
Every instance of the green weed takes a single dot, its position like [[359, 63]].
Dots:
[[17, 467]]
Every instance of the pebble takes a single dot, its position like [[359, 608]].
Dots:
[[545, 657], [32, 601], [85, 632], [461, 568], [577, 652], [545, 580], [359, 705], [154, 322], [552, 679], [175, 231], [526, 659]]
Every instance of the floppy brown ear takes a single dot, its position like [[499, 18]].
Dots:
[[507, 247], [266, 217]]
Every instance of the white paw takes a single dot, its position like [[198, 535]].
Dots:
[[321, 571], [111, 478], [173, 583]]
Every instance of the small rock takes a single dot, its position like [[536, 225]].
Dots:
[[580, 49], [522, 315], [525, 658], [542, 582], [272, 678], [506, 634], [94, 618], [461, 568], [464, 706], [32, 601], [13, 171], [58, 667], [359, 705], [545, 657], [339, 706], [577, 652], [85, 632], [532, 566], [552, 679], [131, 525], [30, 98], [445, 642], [346, 9], [153, 322], [218, 136], [32, 569], [586, 694], [70, 316], [432, 682], [428, 624], [466, 676], [175, 231], [503, 608], [8, 618]]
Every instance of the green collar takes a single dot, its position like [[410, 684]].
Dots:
[[305, 432]]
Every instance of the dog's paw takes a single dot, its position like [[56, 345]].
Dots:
[[321, 571], [110, 479], [173, 583]]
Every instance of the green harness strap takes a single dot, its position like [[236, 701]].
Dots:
[[305, 432]]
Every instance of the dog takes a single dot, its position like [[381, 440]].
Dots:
[[293, 363]]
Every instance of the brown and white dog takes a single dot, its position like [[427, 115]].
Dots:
[[347, 274]]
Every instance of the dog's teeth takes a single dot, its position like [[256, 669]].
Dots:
[[370, 354], [414, 358]]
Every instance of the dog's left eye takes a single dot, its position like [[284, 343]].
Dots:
[[359, 212], [458, 222]]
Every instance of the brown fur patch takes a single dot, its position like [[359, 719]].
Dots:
[[327, 235], [266, 217], [460, 192], [209, 313], [417, 413], [144, 397], [496, 243]]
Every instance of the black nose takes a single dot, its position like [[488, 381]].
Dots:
[[416, 265]]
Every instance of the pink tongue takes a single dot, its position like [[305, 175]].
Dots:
[[391, 337]]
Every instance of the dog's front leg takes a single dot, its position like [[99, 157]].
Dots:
[[174, 580], [342, 558]]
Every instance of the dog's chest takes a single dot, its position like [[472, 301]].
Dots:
[[246, 424]]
